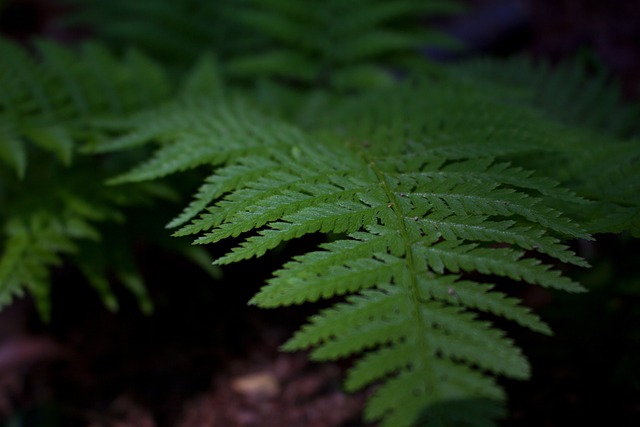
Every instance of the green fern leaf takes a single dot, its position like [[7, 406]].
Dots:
[[422, 224]]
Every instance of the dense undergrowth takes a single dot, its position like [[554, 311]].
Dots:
[[438, 188]]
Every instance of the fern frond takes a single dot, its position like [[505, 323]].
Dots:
[[423, 229], [575, 91], [584, 98], [342, 45], [33, 245], [52, 98], [46, 225], [52, 210]]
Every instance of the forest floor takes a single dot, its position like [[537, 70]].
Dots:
[[202, 359]]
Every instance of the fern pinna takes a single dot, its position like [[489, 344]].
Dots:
[[424, 214]]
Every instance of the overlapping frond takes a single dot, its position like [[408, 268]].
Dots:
[[44, 225], [174, 32], [576, 91], [51, 98], [343, 45], [53, 202], [614, 185], [580, 96]]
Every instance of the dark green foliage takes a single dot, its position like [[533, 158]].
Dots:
[[342, 44], [437, 193], [51, 100], [174, 32], [579, 95], [578, 92], [54, 202]]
